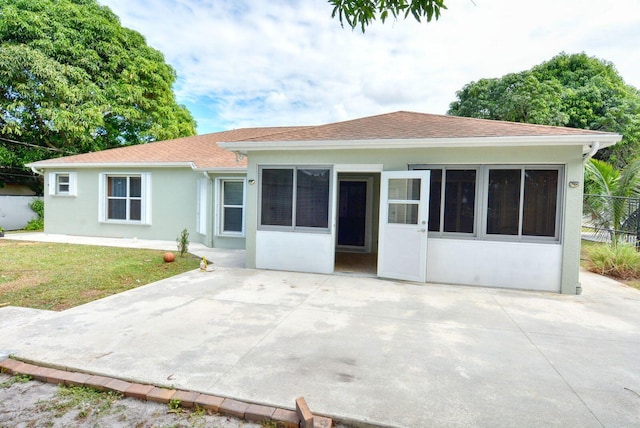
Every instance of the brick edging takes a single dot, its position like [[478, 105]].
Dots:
[[257, 413]]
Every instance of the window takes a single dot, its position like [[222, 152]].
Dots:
[[125, 198], [456, 214], [495, 202], [522, 202], [231, 207], [62, 184], [295, 198]]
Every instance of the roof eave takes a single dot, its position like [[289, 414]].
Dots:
[[585, 141], [46, 165]]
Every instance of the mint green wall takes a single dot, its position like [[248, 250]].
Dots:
[[173, 206], [217, 241], [399, 159]]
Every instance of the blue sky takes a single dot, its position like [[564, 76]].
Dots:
[[247, 63]]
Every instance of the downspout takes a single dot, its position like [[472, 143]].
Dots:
[[594, 148], [592, 151], [37, 171]]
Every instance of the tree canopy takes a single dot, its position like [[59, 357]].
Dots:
[[73, 80], [574, 90], [364, 12]]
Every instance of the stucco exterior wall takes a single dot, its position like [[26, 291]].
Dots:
[[399, 159], [173, 205]]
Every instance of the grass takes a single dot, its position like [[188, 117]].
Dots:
[[86, 400], [60, 276], [596, 257]]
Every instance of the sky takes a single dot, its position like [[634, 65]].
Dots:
[[250, 63]]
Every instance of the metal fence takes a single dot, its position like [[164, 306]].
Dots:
[[611, 217]]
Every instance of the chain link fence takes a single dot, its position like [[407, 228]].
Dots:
[[607, 218]]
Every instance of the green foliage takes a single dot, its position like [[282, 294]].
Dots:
[[37, 206], [73, 80], [19, 378], [609, 212], [364, 12], [174, 406], [183, 242], [621, 261], [576, 90]]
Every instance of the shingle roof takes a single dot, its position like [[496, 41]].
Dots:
[[410, 125], [202, 150]]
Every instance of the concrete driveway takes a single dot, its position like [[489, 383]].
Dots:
[[361, 349]]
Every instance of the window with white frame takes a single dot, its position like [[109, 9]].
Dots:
[[295, 198], [62, 184], [509, 202], [231, 214], [125, 198]]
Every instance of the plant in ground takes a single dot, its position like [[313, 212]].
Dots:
[[19, 378], [37, 206], [608, 187], [620, 261], [183, 242]]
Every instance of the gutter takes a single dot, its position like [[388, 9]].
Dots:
[[592, 151], [37, 171]]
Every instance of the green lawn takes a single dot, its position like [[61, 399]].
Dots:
[[60, 276]]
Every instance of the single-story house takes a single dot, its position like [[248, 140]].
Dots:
[[410, 196]]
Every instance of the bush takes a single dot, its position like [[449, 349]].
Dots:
[[37, 206], [621, 261]]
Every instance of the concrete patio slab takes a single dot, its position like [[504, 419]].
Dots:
[[361, 349]]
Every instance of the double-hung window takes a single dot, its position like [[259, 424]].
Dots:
[[295, 198], [231, 207], [62, 184], [125, 198]]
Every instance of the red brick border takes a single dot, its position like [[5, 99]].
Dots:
[[227, 406]]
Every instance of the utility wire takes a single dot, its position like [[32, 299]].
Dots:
[[37, 146]]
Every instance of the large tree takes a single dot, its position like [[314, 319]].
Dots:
[[73, 80], [575, 90], [364, 12]]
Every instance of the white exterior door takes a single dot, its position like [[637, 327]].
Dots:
[[404, 211]]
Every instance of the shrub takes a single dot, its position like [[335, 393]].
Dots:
[[183, 242], [37, 206], [620, 261]]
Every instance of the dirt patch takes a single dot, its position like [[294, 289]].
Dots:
[[22, 279], [29, 403]]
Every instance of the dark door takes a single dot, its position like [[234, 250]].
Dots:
[[352, 213]]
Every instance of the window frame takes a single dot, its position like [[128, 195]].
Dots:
[[481, 205], [293, 227], [520, 237], [145, 198], [220, 181], [477, 203], [54, 184]]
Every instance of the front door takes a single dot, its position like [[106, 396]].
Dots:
[[404, 211]]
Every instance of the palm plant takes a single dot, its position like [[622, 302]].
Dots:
[[609, 189]]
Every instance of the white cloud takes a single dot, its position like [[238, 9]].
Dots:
[[287, 62]]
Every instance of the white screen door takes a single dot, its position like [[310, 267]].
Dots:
[[404, 211]]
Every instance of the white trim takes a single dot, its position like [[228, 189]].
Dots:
[[586, 141], [219, 207], [145, 197], [52, 184], [201, 205], [112, 164], [373, 167], [226, 169]]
